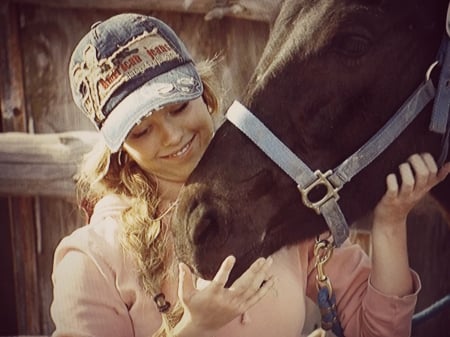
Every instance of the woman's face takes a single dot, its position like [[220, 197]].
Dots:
[[170, 142]]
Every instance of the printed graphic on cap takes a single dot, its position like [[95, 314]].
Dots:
[[97, 79]]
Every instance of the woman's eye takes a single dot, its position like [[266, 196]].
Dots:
[[179, 108], [139, 133]]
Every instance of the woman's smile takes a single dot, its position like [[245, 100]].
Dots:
[[183, 151]]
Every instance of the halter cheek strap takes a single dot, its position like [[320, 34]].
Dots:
[[293, 166]]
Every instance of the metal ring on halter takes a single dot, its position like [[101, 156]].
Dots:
[[430, 69]]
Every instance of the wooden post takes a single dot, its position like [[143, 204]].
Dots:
[[23, 238]]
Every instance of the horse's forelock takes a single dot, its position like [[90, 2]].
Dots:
[[279, 35], [301, 29]]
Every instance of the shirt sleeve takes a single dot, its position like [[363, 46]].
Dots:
[[85, 299], [363, 310]]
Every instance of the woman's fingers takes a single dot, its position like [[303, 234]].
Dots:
[[430, 163], [215, 305], [253, 284], [436, 174], [407, 176], [423, 166], [391, 186], [417, 177], [420, 174], [185, 282], [224, 271], [444, 172], [250, 282], [262, 291]]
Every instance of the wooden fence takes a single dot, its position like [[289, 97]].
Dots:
[[44, 136]]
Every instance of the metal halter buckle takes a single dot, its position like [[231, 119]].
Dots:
[[321, 180]]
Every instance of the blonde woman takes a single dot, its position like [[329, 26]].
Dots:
[[118, 276], [156, 111]]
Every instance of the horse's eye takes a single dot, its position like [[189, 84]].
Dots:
[[351, 45]]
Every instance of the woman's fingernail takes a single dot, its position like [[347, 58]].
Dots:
[[231, 259]]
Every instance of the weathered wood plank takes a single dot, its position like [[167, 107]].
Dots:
[[42, 164], [12, 93], [21, 221], [258, 10]]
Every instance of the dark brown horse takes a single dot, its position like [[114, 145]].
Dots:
[[333, 72]]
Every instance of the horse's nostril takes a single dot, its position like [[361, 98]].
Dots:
[[206, 230]]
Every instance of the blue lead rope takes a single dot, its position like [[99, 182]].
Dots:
[[327, 306], [323, 249], [431, 311]]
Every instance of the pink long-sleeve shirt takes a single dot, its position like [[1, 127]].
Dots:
[[96, 291]]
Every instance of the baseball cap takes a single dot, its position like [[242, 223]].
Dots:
[[126, 67]]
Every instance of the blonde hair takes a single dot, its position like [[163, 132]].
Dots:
[[142, 235]]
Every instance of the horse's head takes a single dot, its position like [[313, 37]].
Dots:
[[331, 75]]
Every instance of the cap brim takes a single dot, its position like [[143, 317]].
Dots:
[[175, 86]]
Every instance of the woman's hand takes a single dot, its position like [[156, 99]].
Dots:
[[418, 176], [390, 271], [208, 309]]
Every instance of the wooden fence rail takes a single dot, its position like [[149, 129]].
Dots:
[[258, 10], [42, 164]]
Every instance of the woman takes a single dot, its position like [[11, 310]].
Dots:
[[118, 276]]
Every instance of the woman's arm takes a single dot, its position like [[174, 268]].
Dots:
[[377, 298], [390, 268]]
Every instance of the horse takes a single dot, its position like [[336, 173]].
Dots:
[[330, 77]]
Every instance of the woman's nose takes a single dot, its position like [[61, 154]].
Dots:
[[171, 133]]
